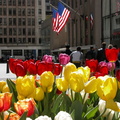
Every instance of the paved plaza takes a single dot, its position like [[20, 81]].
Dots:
[[5, 73]]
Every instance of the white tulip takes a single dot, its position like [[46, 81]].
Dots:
[[62, 115], [45, 117]]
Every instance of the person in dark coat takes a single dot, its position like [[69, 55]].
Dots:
[[68, 51], [101, 53]]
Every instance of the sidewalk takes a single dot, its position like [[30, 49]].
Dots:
[[3, 72]]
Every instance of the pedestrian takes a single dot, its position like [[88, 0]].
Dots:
[[90, 54], [101, 53], [77, 57], [68, 51]]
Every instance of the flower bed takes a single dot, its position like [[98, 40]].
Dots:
[[61, 91]]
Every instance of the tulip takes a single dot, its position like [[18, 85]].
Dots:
[[62, 115], [47, 79], [47, 58], [32, 69], [112, 54], [117, 74], [63, 58], [62, 84], [12, 116], [41, 67], [57, 69], [107, 87], [5, 101], [70, 67], [5, 89], [98, 74], [111, 66], [26, 105], [45, 117], [92, 64], [39, 94], [25, 86], [76, 81], [20, 70], [91, 85], [2, 83], [85, 71]]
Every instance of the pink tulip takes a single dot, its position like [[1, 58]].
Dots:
[[47, 58], [63, 58], [111, 66]]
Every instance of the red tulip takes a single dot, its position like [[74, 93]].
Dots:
[[12, 116], [47, 58], [41, 68], [64, 59], [26, 105], [20, 70], [112, 54], [98, 74], [103, 70], [57, 69], [32, 69], [118, 74], [5, 101], [92, 64]]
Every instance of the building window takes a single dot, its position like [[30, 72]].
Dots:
[[4, 2], [33, 2], [10, 31], [28, 2], [33, 40], [29, 21], [29, 40], [19, 2], [14, 21], [23, 12], [0, 31], [10, 40], [17, 52], [0, 21], [39, 11], [5, 31], [39, 2], [0, 11], [24, 40], [23, 2], [33, 31], [19, 11], [10, 11], [33, 21], [9, 2], [29, 12], [5, 40], [29, 31], [4, 11], [10, 21], [19, 21], [23, 21], [0, 2], [24, 31], [33, 12], [5, 21], [19, 31], [14, 12], [14, 31], [0, 40], [14, 2]]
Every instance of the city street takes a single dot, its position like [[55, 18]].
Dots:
[[3, 72]]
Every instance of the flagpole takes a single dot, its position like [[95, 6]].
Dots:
[[53, 6], [70, 8]]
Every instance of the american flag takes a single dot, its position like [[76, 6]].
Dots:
[[54, 19], [91, 21], [64, 14]]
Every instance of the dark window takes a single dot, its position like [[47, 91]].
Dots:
[[17, 52]]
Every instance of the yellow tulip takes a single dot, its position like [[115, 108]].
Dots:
[[47, 79], [107, 87], [70, 67], [76, 81], [47, 89], [39, 94], [25, 85], [2, 83], [85, 71], [62, 84], [91, 85], [5, 88], [113, 105]]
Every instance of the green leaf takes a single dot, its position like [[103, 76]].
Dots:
[[76, 110], [91, 113], [23, 117]]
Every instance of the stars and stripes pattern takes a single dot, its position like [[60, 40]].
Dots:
[[60, 17], [91, 21]]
